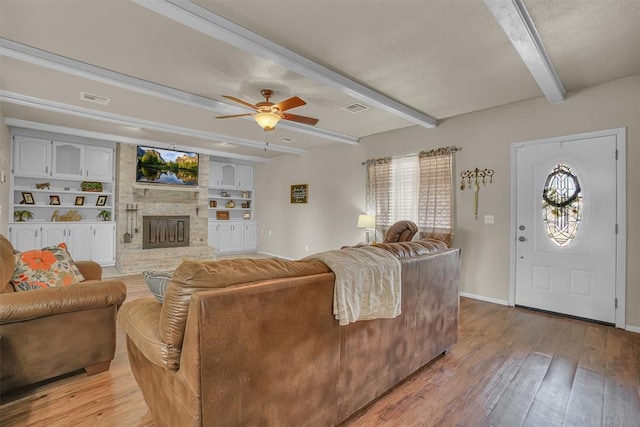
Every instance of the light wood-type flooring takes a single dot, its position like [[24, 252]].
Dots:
[[511, 367]]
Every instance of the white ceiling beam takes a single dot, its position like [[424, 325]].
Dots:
[[57, 107], [215, 26], [44, 127], [43, 58], [514, 19]]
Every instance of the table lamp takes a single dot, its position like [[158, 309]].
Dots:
[[368, 222]]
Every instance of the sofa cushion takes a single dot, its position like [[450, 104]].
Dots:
[[45, 268], [157, 282]]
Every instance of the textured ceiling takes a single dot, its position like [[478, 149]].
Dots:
[[442, 58]]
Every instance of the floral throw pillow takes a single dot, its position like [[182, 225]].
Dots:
[[45, 268]]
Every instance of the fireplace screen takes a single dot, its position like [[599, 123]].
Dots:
[[165, 231]]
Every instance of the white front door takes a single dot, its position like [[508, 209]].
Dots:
[[565, 253]]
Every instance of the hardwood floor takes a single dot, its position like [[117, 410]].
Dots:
[[511, 367]]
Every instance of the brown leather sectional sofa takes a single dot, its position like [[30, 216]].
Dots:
[[255, 343], [49, 332]]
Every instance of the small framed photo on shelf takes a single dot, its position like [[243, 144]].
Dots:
[[54, 200], [27, 198], [102, 200], [79, 201], [213, 203], [246, 215], [222, 215], [245, 194]]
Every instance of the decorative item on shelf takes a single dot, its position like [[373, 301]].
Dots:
[[222, 215], [299, 193], [27, 199], [54, 200], [368, 222], [67, 188], [245, 194], [42, 186], [72, 215], [102, 200], [224, 194], [22, 216], [92, 186], [244, 205], [475, 178], [104, 215], [230, 204], [246, 215], [213, 204], [79, 201]]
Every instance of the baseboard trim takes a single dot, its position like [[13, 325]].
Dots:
[[277, 256], [632, 328], [485, 299]]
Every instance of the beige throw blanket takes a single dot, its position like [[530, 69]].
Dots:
[[367, 283]]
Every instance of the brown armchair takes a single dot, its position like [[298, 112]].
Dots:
[[401, 231], [53, 331]]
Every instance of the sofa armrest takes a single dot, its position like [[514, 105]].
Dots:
[[26, 305], [91, 270], [140, 320]]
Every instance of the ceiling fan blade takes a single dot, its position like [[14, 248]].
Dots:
[[290, 103], [234, 115], [300, 119], [240, 101]]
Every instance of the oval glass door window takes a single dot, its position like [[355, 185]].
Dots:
[[562, 205]]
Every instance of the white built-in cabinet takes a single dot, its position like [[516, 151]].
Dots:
[[232, 227], [62, 163]]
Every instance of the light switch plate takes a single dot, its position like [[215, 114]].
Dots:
[[488, 219]]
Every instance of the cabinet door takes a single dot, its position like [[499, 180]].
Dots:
[[213, 238], [79, 240], [67, 160], [228, 175], [225, 235], [25, 237], [54, 234], [103, 244], [99, 163], [31, 156], [250, 236], [245, 177], [215, 173], [237, 237]]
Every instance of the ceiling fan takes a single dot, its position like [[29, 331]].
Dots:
[[267, 114]]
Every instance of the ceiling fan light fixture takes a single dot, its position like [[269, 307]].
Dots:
[[266, 120]]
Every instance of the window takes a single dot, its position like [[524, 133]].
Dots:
[[416, 188], [561, 205]]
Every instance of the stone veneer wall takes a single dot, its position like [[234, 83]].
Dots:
[[130, 257]]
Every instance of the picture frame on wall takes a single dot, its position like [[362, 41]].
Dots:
[[79, 201], [299, 194], [54, 200], [27, 198], [102, 200]]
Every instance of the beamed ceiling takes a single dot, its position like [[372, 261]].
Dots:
[[165, 64]]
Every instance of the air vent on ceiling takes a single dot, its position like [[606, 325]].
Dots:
[[356, 107], [94, 98]]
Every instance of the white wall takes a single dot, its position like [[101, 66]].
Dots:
[[337, 180], [5, 166]]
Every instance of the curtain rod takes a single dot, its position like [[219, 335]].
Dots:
[[452, 149]]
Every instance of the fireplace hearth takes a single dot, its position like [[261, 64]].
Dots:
[[165, 231]]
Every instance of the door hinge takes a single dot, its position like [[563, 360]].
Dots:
[[616, 228], [616, 302], [616, 154]]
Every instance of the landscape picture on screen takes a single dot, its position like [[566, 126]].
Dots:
[[158, 166]]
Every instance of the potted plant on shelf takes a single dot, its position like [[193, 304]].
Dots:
[[93, 186], [22, 216], [104, 215]]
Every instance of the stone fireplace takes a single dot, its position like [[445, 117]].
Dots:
[[165, 231]]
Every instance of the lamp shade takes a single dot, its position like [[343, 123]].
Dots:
[[366, 221], [267, 121]]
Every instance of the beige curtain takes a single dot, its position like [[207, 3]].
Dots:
[[378, 196], [435, 199]]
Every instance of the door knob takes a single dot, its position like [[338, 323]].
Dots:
[[522, 238]]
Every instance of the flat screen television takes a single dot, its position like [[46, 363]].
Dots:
[[170, 167]]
